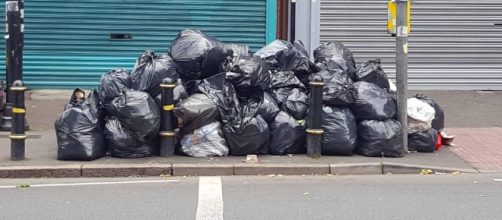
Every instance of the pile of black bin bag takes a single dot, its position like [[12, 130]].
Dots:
[[231, 102]]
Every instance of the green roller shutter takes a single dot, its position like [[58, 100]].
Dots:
[[68, 43]]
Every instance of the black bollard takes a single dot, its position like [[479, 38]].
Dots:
[[167, 133], [14, 57], [18, 135], [314, 130]]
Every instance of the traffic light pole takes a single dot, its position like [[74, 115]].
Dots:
[[402, 67]]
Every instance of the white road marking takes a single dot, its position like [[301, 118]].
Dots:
[[210, 206], [498, 180], [89, 183]]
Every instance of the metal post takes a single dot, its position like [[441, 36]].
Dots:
[[402, 67], [314, 130], [18, 136], [307, 23], [167, 133]]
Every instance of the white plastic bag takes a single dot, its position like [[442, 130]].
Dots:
[[420, 115], [207, 141]]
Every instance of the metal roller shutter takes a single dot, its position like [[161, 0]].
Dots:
[[67, 43], [454, 44]]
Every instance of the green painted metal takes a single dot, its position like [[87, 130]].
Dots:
[[271, 21], [67, 42]]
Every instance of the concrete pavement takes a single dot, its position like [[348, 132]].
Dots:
[[386, 197], [463, 108]]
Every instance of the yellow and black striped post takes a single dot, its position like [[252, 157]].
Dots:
[[167, 133], [314, 130], [18, 135]]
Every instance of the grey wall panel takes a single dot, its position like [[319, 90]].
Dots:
[[454, 44]]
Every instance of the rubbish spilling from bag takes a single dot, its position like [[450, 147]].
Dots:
[[226, 101]]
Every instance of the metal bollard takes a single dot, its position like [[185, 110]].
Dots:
[[314, 130], [167, 133], [18, 136]]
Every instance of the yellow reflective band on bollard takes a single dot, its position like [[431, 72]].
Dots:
[[168, 107], [314, 131], [167, 86], [167, 134], [18, 110], [18, 88], [18, 136]]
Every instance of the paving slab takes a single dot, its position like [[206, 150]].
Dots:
[[481, 147]]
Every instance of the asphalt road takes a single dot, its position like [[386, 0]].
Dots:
[[266, 197]]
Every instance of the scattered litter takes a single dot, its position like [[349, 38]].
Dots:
[[426, 172], [251, 159]]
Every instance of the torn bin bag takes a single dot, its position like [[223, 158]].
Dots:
[[372, 72], [189, 50], [138, 113], [113, 83], [334, 55], [380, 138], [195, 111], [340, 131], [124, 144], [373, 102], [438, 122], [207, 141], [79, 130], [424, 142], [287, 136], [149, 71]]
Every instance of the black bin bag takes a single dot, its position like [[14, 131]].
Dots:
[[438, 122], [124, 144], [270, 51], [424, 142], [338, 89], [249, 72], [79, 129], [296, 59], [340, 131], [138, 113], [380, 138], [334, 55], [149, 71], [194, 112], [248, 137], [113, 83], [244, 133], [373, 102], [189, 50], [268, 108], [287, 136], [372, 72]]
